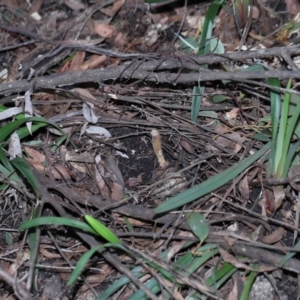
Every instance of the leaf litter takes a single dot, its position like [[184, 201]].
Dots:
[[127, 146]]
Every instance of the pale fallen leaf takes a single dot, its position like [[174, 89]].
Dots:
[[77, 61], [14, 148], [104, 30], [74, 4], [93, 62]]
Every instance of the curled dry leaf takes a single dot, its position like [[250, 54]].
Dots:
[[93, 62], [274, 237]]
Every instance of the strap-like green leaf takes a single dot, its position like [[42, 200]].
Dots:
[[211, 184], [56, 221], [102, 230], [23, 168]]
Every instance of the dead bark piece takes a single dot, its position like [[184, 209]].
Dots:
[[156, 143]]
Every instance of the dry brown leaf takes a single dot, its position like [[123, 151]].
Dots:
[[77, 61], [48, 254], [74, 4], [57, 171], [244, 187], [36, 155], [85, 93], [233, 295], [274, 237], [23, 256], [279, 195], [232, 114], [104, 30], [292, 6], [11, 4], [117, 191], [115, 8], [93, 62]]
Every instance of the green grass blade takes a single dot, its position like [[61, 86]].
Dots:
[[196, 102], [4, 160], [56, 221], [289, 255], [288, 137], [248, 284], [204, 47], [102, 230], [275, 107], [82, 262], [137, 271], [23, 168], [222, 275], [211, 184], [281, 147], [291, 154]]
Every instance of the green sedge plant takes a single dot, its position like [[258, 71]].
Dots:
[[186, 265], [11, 170]]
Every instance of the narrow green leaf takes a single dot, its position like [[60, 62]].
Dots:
[[23, 168], [222, 275], [249, 282], [288, 256], [288, 137], [275, 107], [85, 258], [128, 224], [196, 102], [4, 160], [8, 129], [211, 184], [281, 147], [204, 47], [137, 271], [198, 225], [102, 230], [291, 154], [56, 221], [219, 98]]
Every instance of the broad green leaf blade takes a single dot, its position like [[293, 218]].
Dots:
[[211, 184], [102, 230], [23, 168], [196, 102], [198, 225], [56, 221]]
